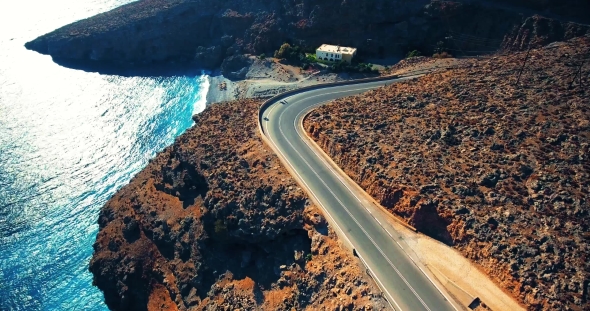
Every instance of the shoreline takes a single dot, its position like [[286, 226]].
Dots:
[[266, 78]]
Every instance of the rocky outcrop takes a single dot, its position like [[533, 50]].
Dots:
[[202, 33], [575, 10], [236, 67], [137, 34], [538, 31], [497, 170], [214, 221]]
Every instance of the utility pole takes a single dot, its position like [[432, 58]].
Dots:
[[523, 64]]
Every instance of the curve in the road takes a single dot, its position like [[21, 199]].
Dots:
[[404, 284]]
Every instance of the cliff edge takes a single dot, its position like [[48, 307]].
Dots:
[[214, 222]]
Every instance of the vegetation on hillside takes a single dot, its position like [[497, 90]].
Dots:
[[413, 53], [297, 55]]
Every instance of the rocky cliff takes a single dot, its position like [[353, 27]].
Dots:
[[538, 31], [203, 33], [498, 170], [214, 222]]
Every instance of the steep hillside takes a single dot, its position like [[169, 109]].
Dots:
[[499, 171], [204, 33], [214, 222], [538, 31]]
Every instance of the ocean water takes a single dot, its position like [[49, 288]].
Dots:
[[68, 140]]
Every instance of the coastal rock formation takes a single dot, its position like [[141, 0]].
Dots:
[[538, 31], [236, 67], [214, 222], [570, 9], [499, 171], [202, 33]]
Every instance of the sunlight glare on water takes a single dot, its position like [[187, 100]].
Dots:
[[68, 140]]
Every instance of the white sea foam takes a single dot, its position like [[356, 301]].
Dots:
[[68, 140], [201, 100]]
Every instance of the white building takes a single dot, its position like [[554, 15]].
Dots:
[[335, 53]]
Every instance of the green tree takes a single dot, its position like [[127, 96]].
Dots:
[[283, 51], [292, 53]]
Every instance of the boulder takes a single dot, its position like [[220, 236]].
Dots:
[[236, 67]]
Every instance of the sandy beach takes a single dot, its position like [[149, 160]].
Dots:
[[269, 77], [266, 78]]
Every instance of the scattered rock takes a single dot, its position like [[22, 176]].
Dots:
[[203, 228], [490, 168]]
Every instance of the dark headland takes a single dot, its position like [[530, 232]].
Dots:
[[202, 34]]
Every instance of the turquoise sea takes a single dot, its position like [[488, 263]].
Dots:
[[68, 140]]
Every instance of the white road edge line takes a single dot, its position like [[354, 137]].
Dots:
[[342, 204], [348, 211], [352, 192], [339, 228], [433, 283], [360, 226]]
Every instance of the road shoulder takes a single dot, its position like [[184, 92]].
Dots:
[[455, 276]]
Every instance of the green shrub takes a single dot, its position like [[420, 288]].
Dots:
[[343, 66], [262, 56], [414, 53], [292, 53], [308, 257], [311, 58]]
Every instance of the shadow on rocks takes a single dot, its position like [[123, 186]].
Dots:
[[165, 69]]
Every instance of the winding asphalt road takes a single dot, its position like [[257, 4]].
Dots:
[[404, 284]]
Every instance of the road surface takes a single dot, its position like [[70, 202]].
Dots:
[[404, 284]]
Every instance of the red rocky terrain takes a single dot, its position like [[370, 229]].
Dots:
[[214, 222], [497, 170]]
